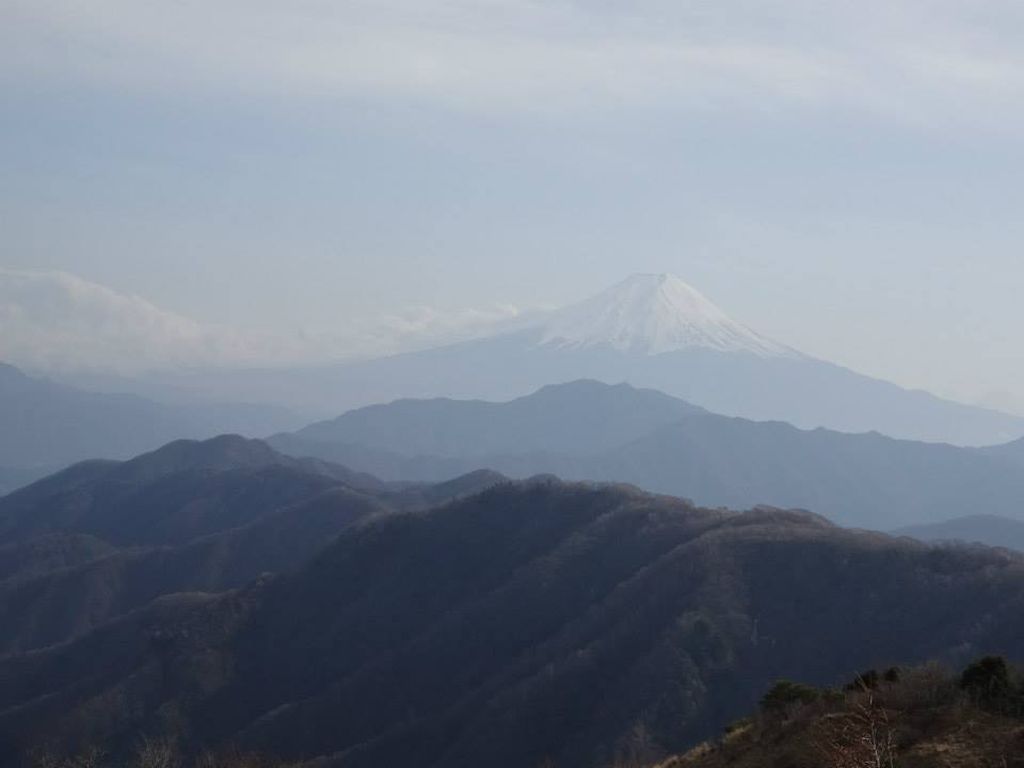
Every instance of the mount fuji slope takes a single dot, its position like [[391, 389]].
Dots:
[[654, 331]]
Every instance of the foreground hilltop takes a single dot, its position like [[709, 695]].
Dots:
[[922, 717], [535, 621]]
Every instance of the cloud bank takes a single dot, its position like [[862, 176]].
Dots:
[[57, 322]]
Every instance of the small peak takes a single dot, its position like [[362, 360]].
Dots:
[[220, 453]]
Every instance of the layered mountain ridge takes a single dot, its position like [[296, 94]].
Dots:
[[45, 425], [587, 430], [103, 538]]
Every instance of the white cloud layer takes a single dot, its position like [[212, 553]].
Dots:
[[920, 59], [57, 322]]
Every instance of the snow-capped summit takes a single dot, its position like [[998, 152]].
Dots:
[[652, 314]]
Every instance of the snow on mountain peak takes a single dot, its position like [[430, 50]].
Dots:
[[652, 314]]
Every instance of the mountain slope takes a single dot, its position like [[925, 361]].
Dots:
[[867, 480], [188, 489], [530, 622], [591, 431], [13, 478], [103, 538], [1012, 451], [43, 554], [179, 492], [61, 603]]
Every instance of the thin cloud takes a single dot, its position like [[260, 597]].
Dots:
[[905, 57]]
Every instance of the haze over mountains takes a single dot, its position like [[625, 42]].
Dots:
[[515, 384], [655, 331], [586, 430], [649, 327], [652, 331], [373, 589], [45, 425]]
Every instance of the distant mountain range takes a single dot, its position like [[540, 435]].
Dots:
[[579, 418], [531, 622], [45, 425], [591, 431], [652, 331]]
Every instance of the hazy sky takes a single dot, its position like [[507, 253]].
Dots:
[[845, 177]]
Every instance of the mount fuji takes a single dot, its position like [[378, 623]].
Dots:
[[652, 315], [651, 331]]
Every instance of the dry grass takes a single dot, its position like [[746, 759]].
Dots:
[[922, 720]]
